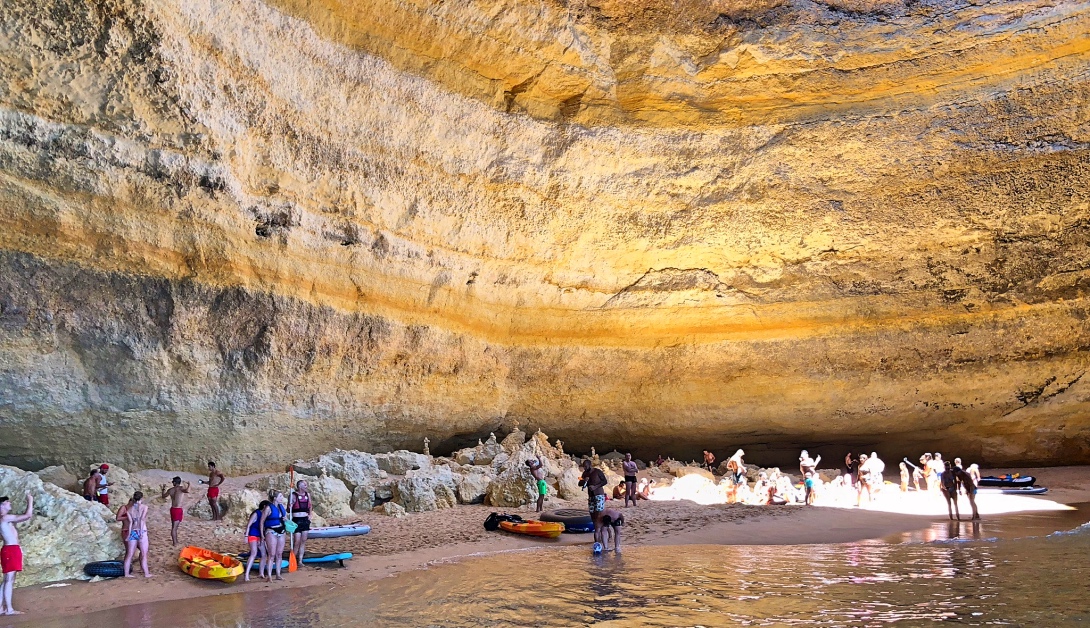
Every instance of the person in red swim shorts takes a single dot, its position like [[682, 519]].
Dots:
[[11, 555], [175, 493], [215, 478]]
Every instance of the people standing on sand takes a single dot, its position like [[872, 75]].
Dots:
[[808, 484], [612, 520], [877, 468], [974, 473], [138, 535], [595, 482], [300, 515], [123, 517], [949, 487], [808, 464], [709, 460], [630, 470], [851, 461], [103, 493], [537, 469], [215, 479], [904, 476], [920, 473], [965, 480], [90, 485], [862, 480], [175, 493], [736, 472], [272, 525], [935, 468], [11, 555], [254, 540]]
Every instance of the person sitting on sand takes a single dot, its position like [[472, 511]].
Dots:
[[949, 487], [138, 535], [808, 464], [630, 470], [643, 491], [969, 486], [595, 482], [612, 520], [215, 479], [175, 493], [254, 540], [537, 470], [11, 554], [619, 491]]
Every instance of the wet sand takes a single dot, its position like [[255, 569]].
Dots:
[[418, 540]]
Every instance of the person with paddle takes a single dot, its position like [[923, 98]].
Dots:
[[300, 515]]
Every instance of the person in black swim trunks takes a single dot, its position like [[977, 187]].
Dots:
[[612, 520], [300, 514], [630, 469], [949, 486], [595, 482]]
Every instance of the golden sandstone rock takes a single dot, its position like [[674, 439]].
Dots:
[[259, 231]]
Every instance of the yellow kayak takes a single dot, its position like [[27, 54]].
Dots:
[[544, 529], [208, 565]]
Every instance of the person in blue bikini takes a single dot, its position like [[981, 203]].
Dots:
[[138, 535]]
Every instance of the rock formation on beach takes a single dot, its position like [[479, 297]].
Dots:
[[258, 231]]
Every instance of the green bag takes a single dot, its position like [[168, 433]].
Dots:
[[290, 526]]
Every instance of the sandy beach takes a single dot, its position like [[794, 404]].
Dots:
[[415, 541]]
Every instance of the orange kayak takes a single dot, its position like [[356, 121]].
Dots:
[[545, 529], [208, 565]]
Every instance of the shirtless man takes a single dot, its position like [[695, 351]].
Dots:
[[175, 493], [808, 464], [215, 478], [630, 470], [920, 472], [537, 469], [612, 520], [736, 471], [595, 482], [90, 485], [949, 487], [11, 555], [709, 460], [138, 535], [965, 479]]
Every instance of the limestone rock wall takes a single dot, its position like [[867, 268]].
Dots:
[[258, 231]]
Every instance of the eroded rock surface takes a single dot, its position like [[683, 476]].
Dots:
[[248, 228]]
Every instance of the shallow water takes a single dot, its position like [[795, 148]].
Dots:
[[1015, 571]]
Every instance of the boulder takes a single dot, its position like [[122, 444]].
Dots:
[[567, 484], [426, 489], [61, 477], [330, 498], [472, 486], [487, 452], [363, 498], [384, 492], [390, 509], [354, 468], [514, 440], [67, 532], [512, 489], [401, 462]]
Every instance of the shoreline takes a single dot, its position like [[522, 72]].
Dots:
[[418, 541]]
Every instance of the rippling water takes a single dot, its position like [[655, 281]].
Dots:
[[960, 573]]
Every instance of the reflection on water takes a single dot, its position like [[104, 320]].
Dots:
[[972, 574]]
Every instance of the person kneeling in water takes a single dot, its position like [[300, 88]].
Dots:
[[612, 520]]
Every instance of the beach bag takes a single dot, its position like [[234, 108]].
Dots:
[[290, 526], [492, 523]]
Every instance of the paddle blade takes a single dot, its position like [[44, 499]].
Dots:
[[292, 565]]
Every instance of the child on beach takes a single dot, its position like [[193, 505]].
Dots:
[[11, 555]]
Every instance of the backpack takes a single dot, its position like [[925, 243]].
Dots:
[[492, 523]]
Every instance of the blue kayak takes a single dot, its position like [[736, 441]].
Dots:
[[332, 532], [311, 559]]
